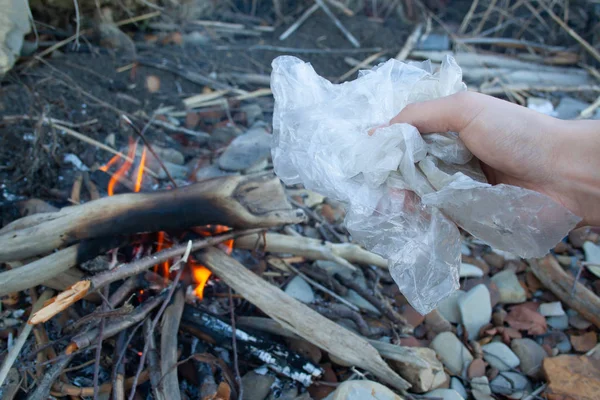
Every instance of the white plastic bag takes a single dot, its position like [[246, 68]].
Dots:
[[405, 193]]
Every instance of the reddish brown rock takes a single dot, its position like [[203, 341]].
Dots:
[[476, 368], [585, 342], [525, 318], [573, 377]]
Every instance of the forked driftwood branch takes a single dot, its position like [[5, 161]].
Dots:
[[313, 249], [299, 318], [235, 201]]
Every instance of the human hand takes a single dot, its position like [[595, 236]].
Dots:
[[521, 147]]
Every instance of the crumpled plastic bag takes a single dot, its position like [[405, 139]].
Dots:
[[405, 194]]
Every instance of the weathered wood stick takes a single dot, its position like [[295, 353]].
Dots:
[[299, 318], [235, 201], [168, 347], [313, 249], [552, 276], [46, 269]]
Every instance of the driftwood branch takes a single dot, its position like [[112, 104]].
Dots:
[[299, 318], [313, 249], [169, 388], [552, 276], [235, 201]]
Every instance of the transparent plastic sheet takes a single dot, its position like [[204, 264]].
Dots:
[[405, 194]]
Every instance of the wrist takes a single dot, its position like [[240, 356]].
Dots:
[[577, 156]]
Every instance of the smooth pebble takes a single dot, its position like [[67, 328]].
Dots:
[[500, 356]]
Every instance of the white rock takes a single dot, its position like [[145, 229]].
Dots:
[[452, 352], [470, 271], [509, 288], [541, 105], [299, 289], [500, 356], [456, 384], [482, 396], [362, 390], [592, 255], [553, 309], [465, 250], [449, 307], [481, 384], [475, 309], [507, 256], [445, 394]]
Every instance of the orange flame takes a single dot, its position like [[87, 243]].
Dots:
[[201, 275], [110, 163], [165, 265], [210, 230], [140, 172], [123, 168]]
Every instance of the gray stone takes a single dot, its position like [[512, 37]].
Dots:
[[361, 302], [434, 41], [449, 307], [482, 396], [560, 323], [500, 356], [570, 108], [530, 355], [456, 384], [470, 271], [509, 288], [299, 289], [247, 152], [577, 321], [475, 309], [553, 309], [253, 113], [452, 352], [444, 394], [481, 384], [520, 385], [256, 386], [211, 171], [592, 255], [501, 385]]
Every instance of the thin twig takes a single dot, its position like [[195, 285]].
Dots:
[[323, 288], [364, 63], [126, 270], [468, 16], [571, 32], [43, 389], [410, 43], [305, 15], [140, 133], [338, 23], [238, 377], [159, 315], [103, 308], [12, 355]]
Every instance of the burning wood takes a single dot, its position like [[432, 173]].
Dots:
[[235, 201]]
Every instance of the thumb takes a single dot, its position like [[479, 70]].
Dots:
[[446, 114]]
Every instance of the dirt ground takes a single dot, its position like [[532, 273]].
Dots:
[[81, 85]]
